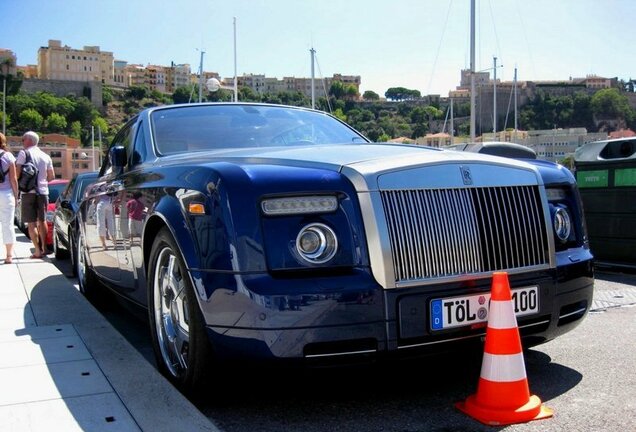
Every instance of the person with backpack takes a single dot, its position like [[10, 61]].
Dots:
[[8, 197], [35, 170]]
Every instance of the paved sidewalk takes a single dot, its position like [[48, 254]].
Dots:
[[64, 367]]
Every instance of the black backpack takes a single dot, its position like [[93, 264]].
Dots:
[[29, 176], [3, 173]]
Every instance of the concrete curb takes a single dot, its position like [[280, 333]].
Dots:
[[153, 403]]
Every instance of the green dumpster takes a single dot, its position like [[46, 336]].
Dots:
[[606, 176]]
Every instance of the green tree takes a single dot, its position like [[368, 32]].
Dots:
[[433, 113], [370, 95], [420, 130], [56, 122], [100, 124], [30, 119], [137, 92], [76, 129], [383, 138], [248, 95], [45, 103], [351, 92], [6, 117], [610, 103], [340, 115], [18, 103], [107, 95], [581, 111], [337, 89], [182, 94]]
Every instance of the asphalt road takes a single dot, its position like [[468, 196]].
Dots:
[[587, 377]]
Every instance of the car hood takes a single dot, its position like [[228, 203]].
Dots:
[[373, 166]]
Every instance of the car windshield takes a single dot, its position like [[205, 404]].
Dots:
[[211, 127]]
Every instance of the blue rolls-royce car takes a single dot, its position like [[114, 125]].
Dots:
[[262, 232]]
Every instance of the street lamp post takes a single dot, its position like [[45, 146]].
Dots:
[[5, 71], [4, 104]]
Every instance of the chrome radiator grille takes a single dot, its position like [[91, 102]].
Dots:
[[438, 233]]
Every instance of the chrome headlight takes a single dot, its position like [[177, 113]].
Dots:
[[562, 224], [316, 243]]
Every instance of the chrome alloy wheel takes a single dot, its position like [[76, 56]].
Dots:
[[170, 309], [81, 263]]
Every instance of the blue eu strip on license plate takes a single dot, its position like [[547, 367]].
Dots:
[[461, 311]]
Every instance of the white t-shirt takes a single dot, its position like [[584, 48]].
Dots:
[[6, 160], [43, 162]]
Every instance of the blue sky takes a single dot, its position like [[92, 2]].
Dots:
[[418, 44]]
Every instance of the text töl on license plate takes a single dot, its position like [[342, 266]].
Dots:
[[453, 312]]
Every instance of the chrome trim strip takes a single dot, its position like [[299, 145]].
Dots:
[[466, 277], [341, 354], [463, 337], [578, 311]]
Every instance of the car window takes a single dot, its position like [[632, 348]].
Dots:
[[208, 127], [139, 152], [81, 187], [124, 139], [68, 191]]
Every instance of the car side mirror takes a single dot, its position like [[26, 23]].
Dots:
[[117, 155], [65, 204]]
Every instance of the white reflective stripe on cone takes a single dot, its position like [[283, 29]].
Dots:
[[503, 367], [501, 315]]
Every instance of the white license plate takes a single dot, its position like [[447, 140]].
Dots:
[[461, 311]]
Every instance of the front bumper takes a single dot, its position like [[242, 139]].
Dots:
[[255, 317]]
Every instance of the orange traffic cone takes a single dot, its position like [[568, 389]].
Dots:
[[503, 396]]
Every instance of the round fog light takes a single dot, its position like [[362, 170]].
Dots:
[[316, 243], [562, 224]]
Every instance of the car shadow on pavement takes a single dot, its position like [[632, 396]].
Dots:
[[58, 374], [369, 397]]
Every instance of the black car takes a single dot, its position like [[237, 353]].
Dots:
[[65, 218], [496, 148], [268, 232]]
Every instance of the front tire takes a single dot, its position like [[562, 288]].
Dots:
[[181, 345]]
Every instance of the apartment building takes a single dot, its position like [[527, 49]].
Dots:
[[556, 144], [156, 78], [262, 84], [177, 75], [57, 62], [67, 155]]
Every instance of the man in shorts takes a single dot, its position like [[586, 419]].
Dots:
[[35, 201]]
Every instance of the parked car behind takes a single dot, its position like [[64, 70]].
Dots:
[[65, 217], [280, 233], [55, 188], [497, 148]]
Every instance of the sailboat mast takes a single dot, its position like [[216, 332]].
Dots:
[[313, 88], [452, 123], [472, 70], [494, 98], [235, 75], [515, 88]]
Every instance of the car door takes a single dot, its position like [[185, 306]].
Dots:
[[130, 254], [104, 237]]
